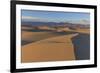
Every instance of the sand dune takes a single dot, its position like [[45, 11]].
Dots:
[[26, 35], [29, 36], [35, 36], [78, 30], [85, 31], [53, 45], [51, 49]]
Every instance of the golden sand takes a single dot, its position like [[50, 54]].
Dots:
[[52, 49]]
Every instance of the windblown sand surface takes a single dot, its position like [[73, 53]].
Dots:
[[85, 31], [51, 49], [48, 46]]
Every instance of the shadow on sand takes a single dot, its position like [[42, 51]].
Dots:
[[82, 46]]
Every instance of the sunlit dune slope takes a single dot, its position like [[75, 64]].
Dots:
[[29, 36], [51, 49], [78, 30]]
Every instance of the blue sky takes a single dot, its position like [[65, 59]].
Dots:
[[52, 16]]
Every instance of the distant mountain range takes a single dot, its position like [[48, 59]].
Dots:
[[54, 24]]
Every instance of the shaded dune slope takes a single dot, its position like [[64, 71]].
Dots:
[[82, 46]]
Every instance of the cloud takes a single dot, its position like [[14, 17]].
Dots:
[[38, 19], [30, 18]]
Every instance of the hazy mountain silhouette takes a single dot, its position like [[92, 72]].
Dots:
[[54, 24]]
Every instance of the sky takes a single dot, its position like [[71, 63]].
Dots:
[[53, 16]]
